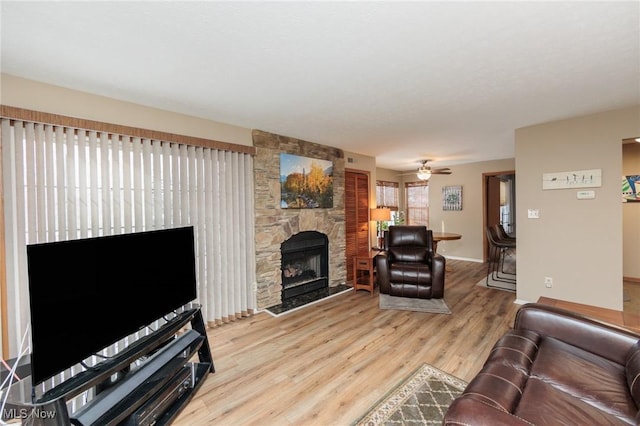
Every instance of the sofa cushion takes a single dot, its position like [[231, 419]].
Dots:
[[547, 403], [410, 273], [409, 254], [569, 381]]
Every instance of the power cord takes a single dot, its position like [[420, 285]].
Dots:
[[12, 373]]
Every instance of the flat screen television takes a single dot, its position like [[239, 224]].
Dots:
[[89, 293]]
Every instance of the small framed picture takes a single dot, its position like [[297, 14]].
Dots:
[[452, 197]]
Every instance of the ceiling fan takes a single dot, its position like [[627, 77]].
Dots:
[[424, 172]]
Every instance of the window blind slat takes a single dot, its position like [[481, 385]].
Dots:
[[60, 185], [224, 226], [213, 294], [127, 189], [177, 179], [147, 194], [167, 189], [39, 171], [93, 184], [138, 170], [30, 172], [48, 191], [105, 184], [116, 186], [83, 196], [157, 202]]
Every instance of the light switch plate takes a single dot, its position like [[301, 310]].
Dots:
[[586, 195], [533, 213]]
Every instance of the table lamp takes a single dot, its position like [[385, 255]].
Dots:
[[380, 215]]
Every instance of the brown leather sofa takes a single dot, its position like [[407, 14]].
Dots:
[[408, 267], [555, 367]]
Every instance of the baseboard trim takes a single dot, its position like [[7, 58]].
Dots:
[[468, 259], [521, 302]]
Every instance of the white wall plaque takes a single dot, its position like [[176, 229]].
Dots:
[[576, 179]]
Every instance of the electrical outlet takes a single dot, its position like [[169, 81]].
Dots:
[[548, 282]]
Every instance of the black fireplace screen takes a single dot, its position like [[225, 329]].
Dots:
[[305, 263]]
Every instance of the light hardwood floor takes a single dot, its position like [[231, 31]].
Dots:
[[632, 304], [326, 364]]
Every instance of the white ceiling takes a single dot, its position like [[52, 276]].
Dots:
[[400, 81]]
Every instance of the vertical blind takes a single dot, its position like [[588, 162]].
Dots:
[[65, 183]]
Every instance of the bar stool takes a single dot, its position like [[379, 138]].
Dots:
[[499, 249]]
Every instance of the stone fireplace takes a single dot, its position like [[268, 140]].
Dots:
[[275, 225]]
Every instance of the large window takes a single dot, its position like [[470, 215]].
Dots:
[[65, 183], [417, 196], [387, 194]]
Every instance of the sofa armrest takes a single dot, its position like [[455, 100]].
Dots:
[[382, 271], [437, 264], [607, 340]]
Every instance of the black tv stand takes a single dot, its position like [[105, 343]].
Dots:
[[153, 392]]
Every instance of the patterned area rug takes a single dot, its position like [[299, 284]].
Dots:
[[434, 306], [420, 399]]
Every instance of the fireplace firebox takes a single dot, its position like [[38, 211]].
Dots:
[[305, 264]]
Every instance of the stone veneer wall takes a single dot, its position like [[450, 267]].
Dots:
[[274, 225]]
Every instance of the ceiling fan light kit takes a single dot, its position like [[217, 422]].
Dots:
[[424, 173]]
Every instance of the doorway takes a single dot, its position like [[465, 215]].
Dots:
[[631, 231], [499, 204]]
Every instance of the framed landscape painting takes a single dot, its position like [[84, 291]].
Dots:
[[305, 183]]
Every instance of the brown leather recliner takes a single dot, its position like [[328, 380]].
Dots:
[[409, 267]]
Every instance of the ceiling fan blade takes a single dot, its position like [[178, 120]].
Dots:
[[438, 171]]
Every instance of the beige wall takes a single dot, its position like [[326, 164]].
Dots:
[[389, 175], [578, 243], [29, 94], [631, 216], [469, 221]]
